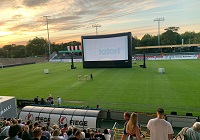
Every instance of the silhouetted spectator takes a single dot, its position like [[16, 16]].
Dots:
[[36, 124], [52, 101], [25, 133], [42, 102], [99, 135], [37, 133], [91, 76], [92, 136], [13, 131], [87, 133], [69, 133], [36, 100], [45, 132], [77, 136], [64, 129], [55, 135]]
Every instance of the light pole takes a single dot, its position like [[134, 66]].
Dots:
[[96, 26], [48, 35], [159, 20]]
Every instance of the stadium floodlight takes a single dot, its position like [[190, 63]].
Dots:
[[48, 35], [96, 26], [159, 20]]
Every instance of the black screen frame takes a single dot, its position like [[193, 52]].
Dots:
[[110, 63]]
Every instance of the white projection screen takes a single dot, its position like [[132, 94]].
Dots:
[[112, 50]]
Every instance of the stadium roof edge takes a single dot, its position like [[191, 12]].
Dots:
[[166, 46], [71, 51]]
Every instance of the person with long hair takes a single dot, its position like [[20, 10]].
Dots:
[[132, 127]]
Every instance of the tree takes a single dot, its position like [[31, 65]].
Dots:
[[148, 40], [188, 37], [197, 38], [170, 38], [173, 29], [37, 46], [55, 47], [135, 43], [19, 51]]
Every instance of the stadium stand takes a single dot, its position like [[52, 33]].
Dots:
[[64, 133], [6, 62]]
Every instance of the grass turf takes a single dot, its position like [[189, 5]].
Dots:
[[127, 89]]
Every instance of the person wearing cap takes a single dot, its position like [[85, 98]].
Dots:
[[158, 128]]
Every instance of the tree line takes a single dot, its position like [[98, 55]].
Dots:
[[39, 46]]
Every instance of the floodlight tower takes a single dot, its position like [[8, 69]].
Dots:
[[48, 35], [159, 20], [96, 26]]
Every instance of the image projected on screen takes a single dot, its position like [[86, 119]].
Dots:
[[106, 49]]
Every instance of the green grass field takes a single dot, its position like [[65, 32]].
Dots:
[[127, 89]]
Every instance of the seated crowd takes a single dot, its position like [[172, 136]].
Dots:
[[15, 129], [157, 128]]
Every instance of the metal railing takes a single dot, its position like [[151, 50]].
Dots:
[[118, 132]]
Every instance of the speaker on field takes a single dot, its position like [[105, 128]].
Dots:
[[173, 113], [144, 61], [188, 114]]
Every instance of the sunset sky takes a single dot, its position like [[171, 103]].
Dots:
[[22, 20]]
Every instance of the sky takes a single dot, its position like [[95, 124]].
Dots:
[[68, 20]]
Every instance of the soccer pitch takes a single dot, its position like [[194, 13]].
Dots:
[[126, 89]]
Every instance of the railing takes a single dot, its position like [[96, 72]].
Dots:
[[119, 132], [54, 54]]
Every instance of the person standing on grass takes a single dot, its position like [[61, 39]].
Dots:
[[91, 76], [59, 101], [158, 128], [36, 100], [52, 101]]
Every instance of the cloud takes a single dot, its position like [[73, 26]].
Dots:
[[26, 27], [34, 3], [73, 18], [6, 2]]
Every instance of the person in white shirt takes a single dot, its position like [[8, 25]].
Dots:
[[59, 101], [158, 128], [106, 134]]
